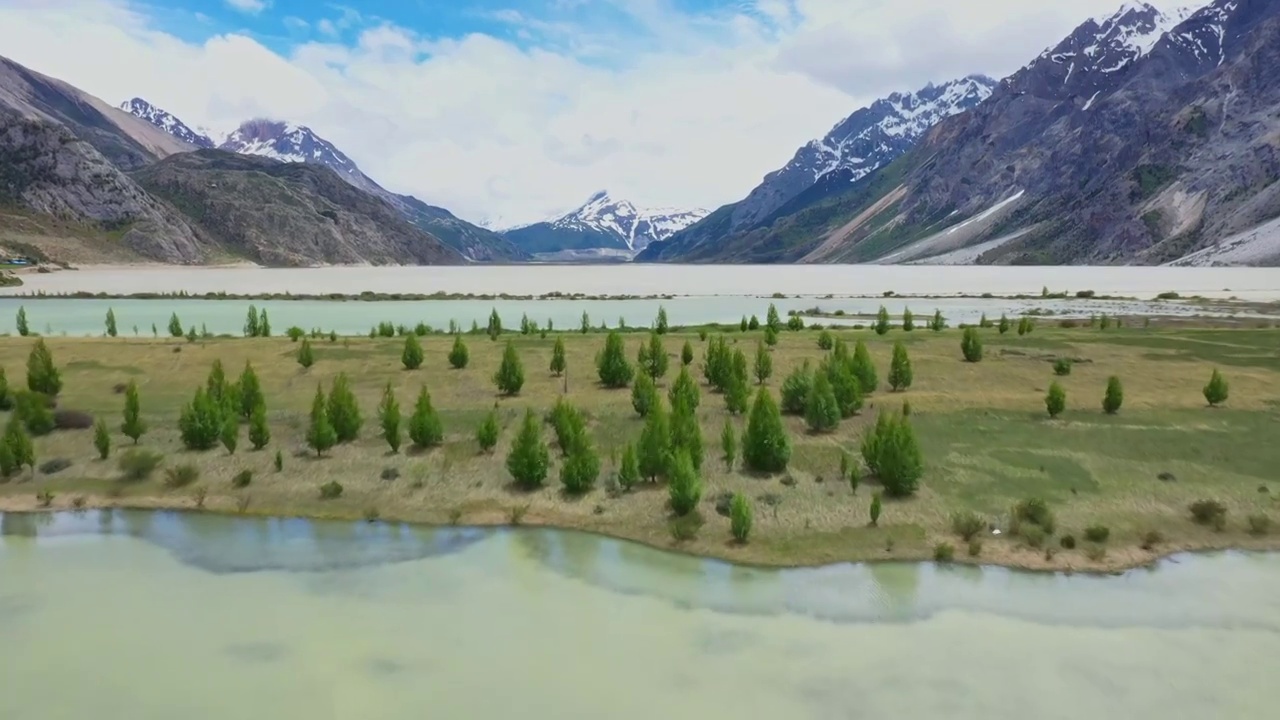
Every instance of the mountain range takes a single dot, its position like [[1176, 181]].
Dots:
[[602, 227], [1142, 137]]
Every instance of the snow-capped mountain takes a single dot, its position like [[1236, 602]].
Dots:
[[166, 121], [871, 137], [1204, 33], [603, 222], [1088, 60], [292, 143]]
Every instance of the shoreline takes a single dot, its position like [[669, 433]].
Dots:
[[1016, 559]]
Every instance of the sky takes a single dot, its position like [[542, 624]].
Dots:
[[512, 111]]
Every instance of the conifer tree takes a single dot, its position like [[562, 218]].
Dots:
[[133, 426], [175, 326], [389, 418], [1114, 396], [770, 336], [411, 356], [983, 322], [216, 382], [864, 369], [876, 506], [230, 433], [652, 358], [765, 446], [822, 413], [740, 517], [1216, 391], [844, 384], [742, 324], [558, 361], [200, 421], [259, 429], [495, 324], [629, 470], [425, 428], [826, 340], [660, 325], [250, 392], [684, 487], [586, 323], [320, 434], [344, 413], [771, 319], [686, 432], [42, 376], [510, 375], [737, 394], [882, 321], [19, 448], [655, 443], [101, 439], [487, 432], [728, 445], [581, 465], [305, 356], [686, 354], [900, 374], [908, 320], [529, 458], [971, 345], [764, 364], [938, 324], [1003, 325], [643, 394], [251, 322], [21, 323], [684, 390], [6, 395], [459, 355], [111, 322], [717, 364], [612, 365], [1056, 400], [891, 451], [35, 413], [264, 324]]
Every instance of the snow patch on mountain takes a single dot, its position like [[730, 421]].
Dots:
[[634, 227], [289, 142], [1109, 44], [166, 121]]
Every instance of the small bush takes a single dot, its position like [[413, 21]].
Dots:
[[1068, 542], [1151, 539], [137, 464], [1062, 366], [78, 502], [119, 388], [1166, 477], [181, 476], [1034, 535], [944, 553], [1097, 533], [1096, 553], [517, 514], [72, 420], [56, 465], [1208, 512], [390, 473], [967, 524], [685, 527], [242, 479], [1035, 511], [1259, 524], [330, 490], [975, 547]]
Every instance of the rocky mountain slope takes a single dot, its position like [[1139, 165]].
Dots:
[[291, 143], [1138, 138], [871, 137], [81, 176], [603, 223]]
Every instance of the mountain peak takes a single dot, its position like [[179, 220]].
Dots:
[[604, 222], [140, 108]]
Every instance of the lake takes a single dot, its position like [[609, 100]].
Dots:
[[168, 615]]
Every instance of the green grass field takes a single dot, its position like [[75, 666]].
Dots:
[[987, 440]]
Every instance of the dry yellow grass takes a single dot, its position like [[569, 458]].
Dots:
[[987, 443]]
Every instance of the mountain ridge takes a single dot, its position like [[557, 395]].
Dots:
[[604, 226]]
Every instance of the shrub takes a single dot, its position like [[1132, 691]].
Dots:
[[891, 451], [42, 376], [529, 457], [137, 464], [740, 515], [306, 356], [1035, 511], [56, 465], [944, 553], [876, 506], [612, 366], [487, 432], [510, 375], [796, 388], [826, 340], [330, 490], [1062, 366], [181, 476], [33, 410], [242, 479], [1258, 524], [1096, 553], [1113, 397], [685, 527], [72, 420], [1216, 390], [1151, 539], [102, 439], [1068, 542], [1056, 400], [1208, 512], [44, 498], [765, 446], [643, 394], [1097, 533], [967, 524], [1034, 535], [295, 333], [971, 345], [389, 474], [279, 461], [459, 355], [975, 547]]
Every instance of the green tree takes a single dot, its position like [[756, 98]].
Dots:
[[251, 322], [175, 326], [111, 322], [908, 320], [660, 325], [389, 418], [344, 413], [938, 324], [586, 323], [230, 433], [487, 432], [6, 395], [558, 361], [753, 324], [259, 429], [510, 375], [612, 365], [264, 324], [23, 329], [19, 449], [717, 364], [305, 356], [643, 394], [764, 364], [495, 324], [822, 413], [652, 357], [569, 424], [796, 388], [684, 486], [728, 445], [983, 322], [216, 382], [133, 426], [844, 385], [250, 391], [42, 375], [102, 439], [686, 432], [411, 356], [1114, 396], [738, 391], [770, 336], [876, 505], [529, 458], [882, 321], [795, 322], [740, 517], [192, 335], [900, 374], [425, 428], [1003, 326], [1056, 400], [892, 452], [1216, 391], [629, 470], [742, 324], [765, 446], [581, 466], [35, 412], [1024, 325], [686, 354], [971, 345], [826, 340], [200, 422], [771, 319], [684, 390], [459, 355], [863, 368], [320, 434], [655, 443]]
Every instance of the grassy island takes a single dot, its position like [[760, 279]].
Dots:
[[977, 471]]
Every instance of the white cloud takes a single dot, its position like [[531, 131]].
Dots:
[[662, 108], [253, 7]]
